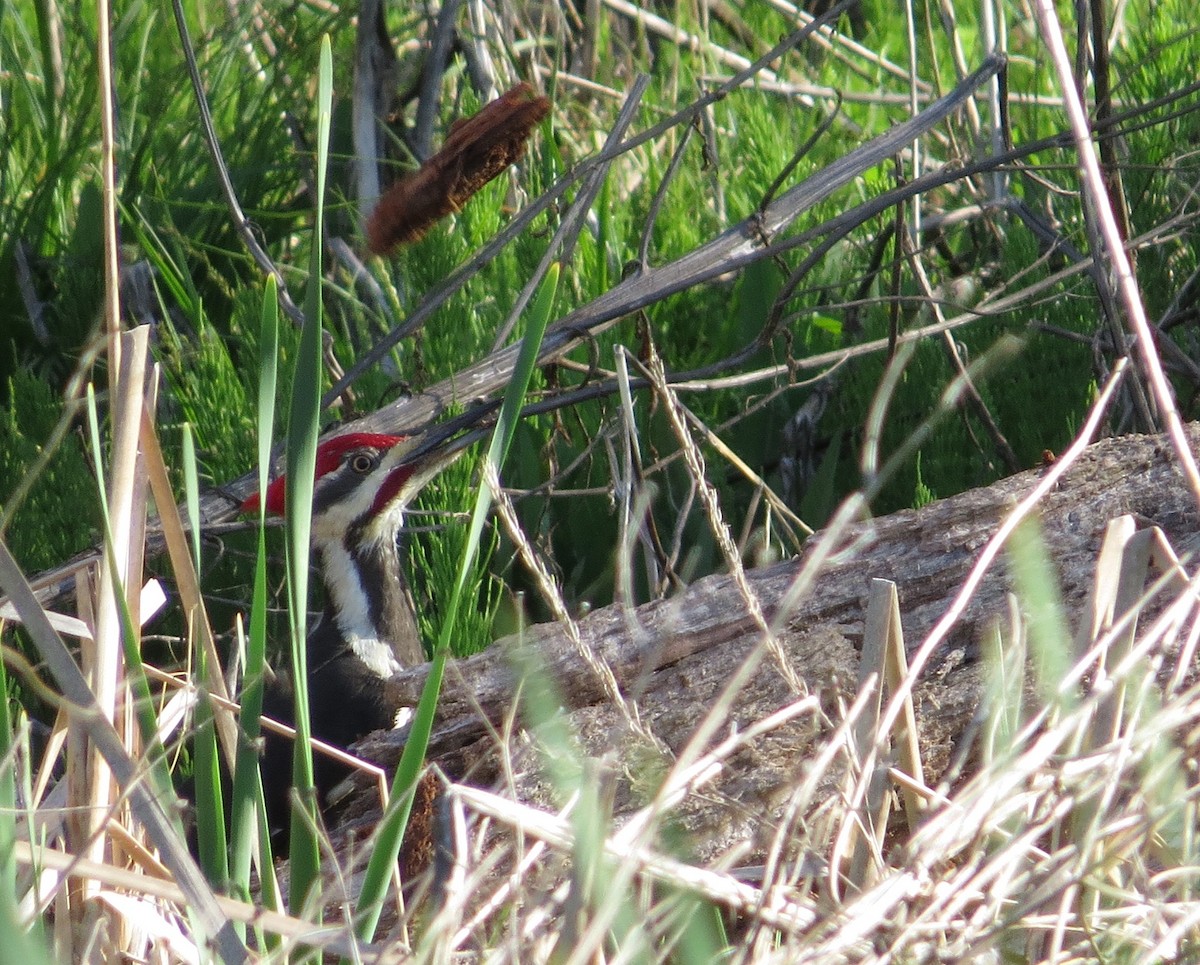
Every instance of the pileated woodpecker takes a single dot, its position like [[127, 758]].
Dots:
[[364, 483]]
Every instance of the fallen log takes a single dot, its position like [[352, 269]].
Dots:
[[673, 658]]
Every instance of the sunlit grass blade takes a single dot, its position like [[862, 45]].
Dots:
[[390, 834], [303, 427]]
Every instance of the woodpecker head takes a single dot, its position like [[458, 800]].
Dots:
[[364, 482]]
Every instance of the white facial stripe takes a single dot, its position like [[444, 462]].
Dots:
[[350, 602], [353, 610]]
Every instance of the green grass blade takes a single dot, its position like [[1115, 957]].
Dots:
[[391, 828], [191, 492], [21, 942], [303, 425], [8, 797], [247, 786], [210, 801], [1037, 587]]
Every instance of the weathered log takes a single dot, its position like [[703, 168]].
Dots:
[[673, 657]]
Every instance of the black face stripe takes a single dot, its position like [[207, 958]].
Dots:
[[336, 486]]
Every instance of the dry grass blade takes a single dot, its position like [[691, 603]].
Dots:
[[91, 787], [553, 598], [297, 931], [664, 28], [1117, 596], [716, 522], [146, 808], [151, 601], [908, 753], [722, 888], [186, 580]]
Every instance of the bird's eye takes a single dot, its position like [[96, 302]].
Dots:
[[362, 462]]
